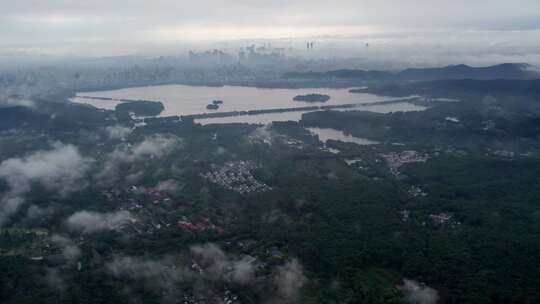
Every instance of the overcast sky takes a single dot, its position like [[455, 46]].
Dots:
[[133, 26]]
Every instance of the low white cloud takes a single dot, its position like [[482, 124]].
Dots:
[[134, 178], [416, 293], [289, 280], [169, 185], [118, 132], [70, 251], [35, 212], [153, 147], [137, 268], [262, 134], [156, 146], [533, 68], [60, 169], [9, 205], [220, 151], [91, 222], [243, 270], [222, 266], [210, 268], [158, 275]]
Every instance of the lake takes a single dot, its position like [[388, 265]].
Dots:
[[326, 134], [189, 100]]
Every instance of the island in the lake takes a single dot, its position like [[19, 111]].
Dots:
[[214, 105], [312, 98], [141, 107]]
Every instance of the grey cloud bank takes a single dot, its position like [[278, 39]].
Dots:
[[120, 27]]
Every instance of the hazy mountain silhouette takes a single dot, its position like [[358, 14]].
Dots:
[[462, 71]]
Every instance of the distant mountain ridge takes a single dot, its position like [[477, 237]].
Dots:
[[345, 74], [459, 88], [461, 71]]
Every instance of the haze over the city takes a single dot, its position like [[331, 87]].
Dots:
[[421, 32]]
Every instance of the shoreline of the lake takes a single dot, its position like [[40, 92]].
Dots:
[[190, 102]]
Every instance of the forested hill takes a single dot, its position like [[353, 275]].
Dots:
[[340, 74], [460, 87], [501, 71]]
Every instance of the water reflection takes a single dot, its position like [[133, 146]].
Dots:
[[326, 134]]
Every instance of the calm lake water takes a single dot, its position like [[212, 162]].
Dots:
[[326, 134], [189, 100], [254, 119]]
